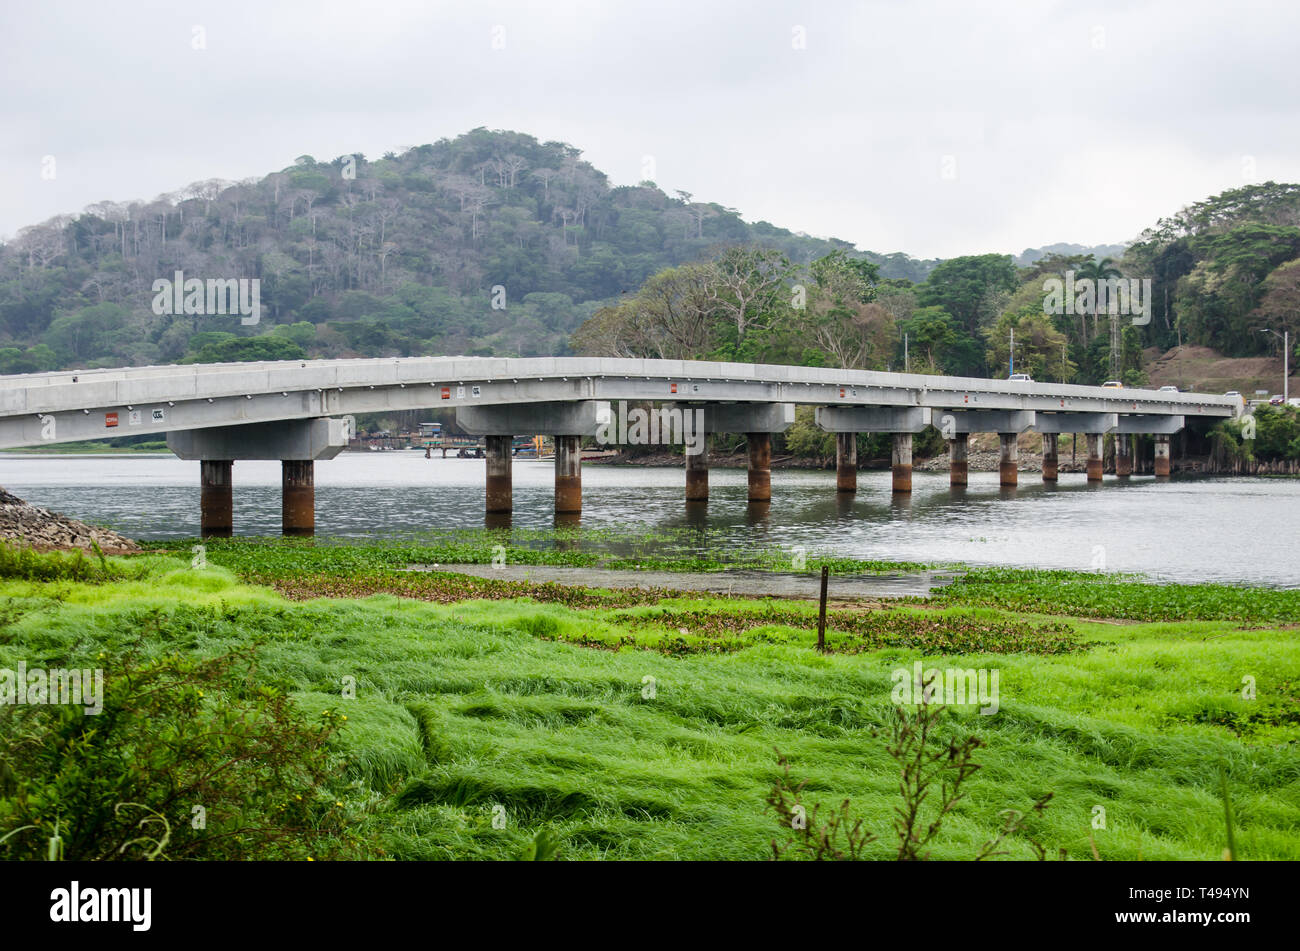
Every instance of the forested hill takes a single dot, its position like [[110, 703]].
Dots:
[[496, 244], [397, 256]]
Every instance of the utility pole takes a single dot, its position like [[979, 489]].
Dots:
[[1013, 352], [906, 364], [1285, 337]]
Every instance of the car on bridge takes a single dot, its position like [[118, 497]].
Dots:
[[1168, 389], [1112, 385], [1020, 378]]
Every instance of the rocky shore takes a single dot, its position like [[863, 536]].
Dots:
[[44, 530]]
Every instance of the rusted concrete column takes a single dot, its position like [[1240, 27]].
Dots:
[[1163, 456], [499, 478], [297, 497], [216, 500], [1049, 457], [902, 460], [1123, 454], [760, 466], [958, 467], [568, 474], [846, 462], [697, 475], [1008, 458], [1094, 455]]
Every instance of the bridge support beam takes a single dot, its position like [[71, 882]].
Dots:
[[568, 475], [697, 474], [958, 466], [983, 421], [1094, 455], [500, 482], [902, 462], [760, 466], [736, 417], [298, 497], [1163, 456], [1075, 422], [216, 498], [872, 419], [1008, 458], [846, 462], [1123, 454], [1148, 423], [1049, 457], [583, 417]]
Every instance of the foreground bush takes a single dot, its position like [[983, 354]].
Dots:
[[188, 759]]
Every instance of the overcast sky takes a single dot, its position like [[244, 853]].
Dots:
[[936, 129]]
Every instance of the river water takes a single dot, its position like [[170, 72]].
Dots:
[[1185, 529]]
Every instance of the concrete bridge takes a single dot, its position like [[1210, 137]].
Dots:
[[299, 411]]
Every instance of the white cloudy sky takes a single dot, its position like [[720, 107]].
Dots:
[[1079, 122]]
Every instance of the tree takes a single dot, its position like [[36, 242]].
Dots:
[[747, 287], [239, 349], [671, 317], [841, 315], [1041, 349], [966, 288], [933, 334], [1279, 305]]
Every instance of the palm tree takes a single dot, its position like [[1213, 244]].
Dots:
[[1099, 272]]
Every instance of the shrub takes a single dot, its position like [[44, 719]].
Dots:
[[188, 759]]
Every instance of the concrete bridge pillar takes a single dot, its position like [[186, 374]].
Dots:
[[1163, 456], [1094, 455], [216, 498], [902, 462], [846, 462], [958, 466], [294, 443], [697, 474], [760, 466], [298, 497], [568, 474], [1049, 457], [499, 476], [1008, 458], [1123, 454]]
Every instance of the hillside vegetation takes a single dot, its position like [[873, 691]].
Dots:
[[397, 256], [497, 244]]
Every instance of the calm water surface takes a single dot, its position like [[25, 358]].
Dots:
[[1181, 530]]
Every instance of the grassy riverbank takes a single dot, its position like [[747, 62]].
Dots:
[[637, 725]]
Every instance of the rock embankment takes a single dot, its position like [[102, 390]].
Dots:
[[44, 530]]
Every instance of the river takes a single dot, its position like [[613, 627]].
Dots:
[[1185, 529]]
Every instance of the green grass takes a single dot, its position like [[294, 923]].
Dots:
[[95, 447], [665, 549], [470, 704], [1081, 594]]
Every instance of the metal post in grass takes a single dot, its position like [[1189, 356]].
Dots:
[[821, 613]]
